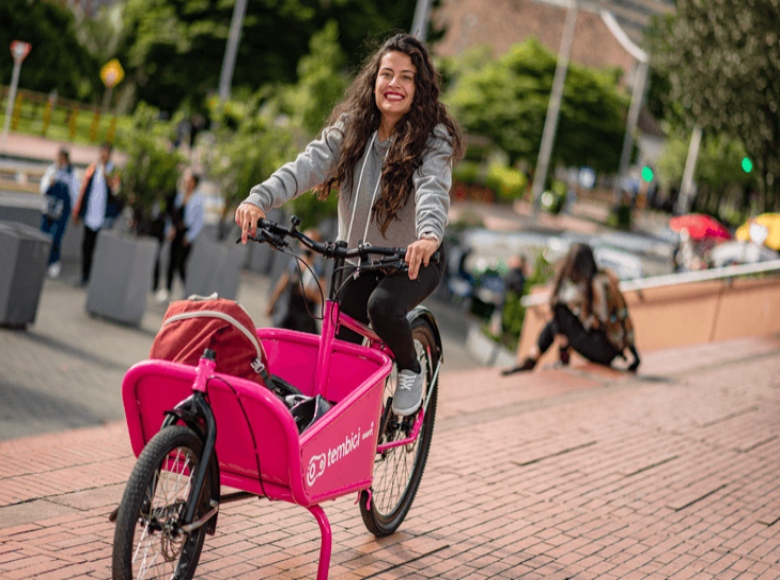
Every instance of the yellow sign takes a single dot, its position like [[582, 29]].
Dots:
[[112, 73]]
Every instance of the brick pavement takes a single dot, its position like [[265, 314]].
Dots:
[[561, 473]]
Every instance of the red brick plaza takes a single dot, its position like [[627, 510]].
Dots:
[[561, 473]]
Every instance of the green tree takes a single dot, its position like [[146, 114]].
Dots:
[[152, 169], [321, 81], [240, 159], [506, 100], [722, 185], [57, 60], [173, 49], [722, 59]]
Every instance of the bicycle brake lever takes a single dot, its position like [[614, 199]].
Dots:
[[266, 237]]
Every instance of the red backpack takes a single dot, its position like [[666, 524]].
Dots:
[[191, 326]]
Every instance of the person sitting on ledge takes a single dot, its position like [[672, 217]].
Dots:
[[589, 315]]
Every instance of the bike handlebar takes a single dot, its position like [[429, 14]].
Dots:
[[273, 233]]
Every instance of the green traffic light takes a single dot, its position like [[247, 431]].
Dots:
[[647, 174], [747, 165]]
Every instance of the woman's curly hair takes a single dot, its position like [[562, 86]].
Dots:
[[360, 116]]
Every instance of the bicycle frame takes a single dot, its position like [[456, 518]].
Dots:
[[332, 320], [293, 466]]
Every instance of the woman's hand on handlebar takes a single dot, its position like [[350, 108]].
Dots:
[[419, 253], [247, 216]]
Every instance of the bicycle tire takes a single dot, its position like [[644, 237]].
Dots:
[[147, 542], [395, 483]]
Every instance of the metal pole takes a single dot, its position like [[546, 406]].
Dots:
[[631, 122], [686, 194], [554, 107], [9, 107], [422, 16], [229, 62]]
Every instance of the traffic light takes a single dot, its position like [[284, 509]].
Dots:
[[647, 173], [747, 165]]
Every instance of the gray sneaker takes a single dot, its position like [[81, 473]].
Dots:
[[408, 393]]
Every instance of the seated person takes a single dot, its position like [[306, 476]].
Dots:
[[585, 317]]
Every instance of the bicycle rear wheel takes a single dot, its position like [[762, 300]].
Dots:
[[398, 470], [148, 540]]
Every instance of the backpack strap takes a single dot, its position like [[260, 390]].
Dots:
[[257, 364]]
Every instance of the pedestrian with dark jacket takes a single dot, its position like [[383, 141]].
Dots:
[[59, 188], [97, 205]]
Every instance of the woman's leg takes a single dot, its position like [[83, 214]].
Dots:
[[592, 344], [173, 262], [354, 298], [389, 304]]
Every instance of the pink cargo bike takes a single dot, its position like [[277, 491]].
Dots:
[[195, 430]]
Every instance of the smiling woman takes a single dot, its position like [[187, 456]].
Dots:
[[389, 148]]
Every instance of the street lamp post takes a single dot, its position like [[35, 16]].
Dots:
[[554, 107], [422, 16], [229, 62]]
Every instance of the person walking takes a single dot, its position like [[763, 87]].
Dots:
[[97, 205], [587, 315], [59, 188], [389, 148], [184, 228]]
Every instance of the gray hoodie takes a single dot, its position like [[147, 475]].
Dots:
[[425, 214]]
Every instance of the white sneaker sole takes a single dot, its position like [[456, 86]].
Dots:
[[408, 411]]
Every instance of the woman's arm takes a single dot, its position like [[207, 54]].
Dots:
[[312, 167], [432, 183], [600, 310], [309, 169], [48, 178]]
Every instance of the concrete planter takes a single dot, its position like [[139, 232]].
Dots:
[[486, 351], [26, 210], [121, 277], [24, 254], [71, 242], [215, 267]]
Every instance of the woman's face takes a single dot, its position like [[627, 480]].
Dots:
[[394, 90]]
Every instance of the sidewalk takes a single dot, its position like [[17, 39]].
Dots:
[[574, 473], [32, 148]]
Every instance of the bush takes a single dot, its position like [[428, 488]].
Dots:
[[467, 172], [152, 169], [507, 183], [513, 313]]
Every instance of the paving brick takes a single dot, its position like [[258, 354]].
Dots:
[[572, 473]]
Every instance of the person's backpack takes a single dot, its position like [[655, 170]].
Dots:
[[619, 327], [191, 326]]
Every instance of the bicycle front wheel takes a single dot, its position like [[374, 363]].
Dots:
[[398, 470], [148, 540]]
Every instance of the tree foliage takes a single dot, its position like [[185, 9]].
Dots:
[[57, 60], [506, 100], [152, 168], [173, 49], [722, 59], [243, 157], [722, 185], [321, 82]]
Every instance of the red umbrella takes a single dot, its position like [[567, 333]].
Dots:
[[700, 226]]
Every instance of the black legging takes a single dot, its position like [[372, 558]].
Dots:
[[88, 251], [178, 260], [592, 344], [385, 301]]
